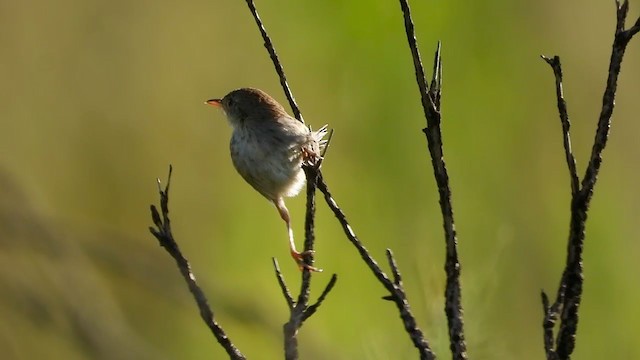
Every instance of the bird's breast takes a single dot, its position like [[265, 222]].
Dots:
[[268, 160]]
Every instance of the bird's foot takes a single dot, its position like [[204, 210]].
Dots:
[[309, 157], [298, 257]]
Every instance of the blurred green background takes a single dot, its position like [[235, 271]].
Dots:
[[98, 98]]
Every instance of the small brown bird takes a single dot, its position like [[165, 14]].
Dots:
[[268, 148]]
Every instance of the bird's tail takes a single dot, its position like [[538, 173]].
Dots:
[[318, 136]]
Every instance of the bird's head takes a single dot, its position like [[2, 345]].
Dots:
[[248, 104]]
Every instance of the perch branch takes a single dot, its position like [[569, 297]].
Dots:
[[276, 62], [300, 310], [570, 289], [430, 99], [163, 233]]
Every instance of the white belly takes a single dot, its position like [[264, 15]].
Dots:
[[273, 173]]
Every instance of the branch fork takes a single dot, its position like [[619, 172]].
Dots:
[[569, 294]]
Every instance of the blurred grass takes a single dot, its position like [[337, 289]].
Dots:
[[98, 98]]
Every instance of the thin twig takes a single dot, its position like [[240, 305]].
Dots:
[[283, 286], [570, 289], [276, 62], [312, 308], [397, 294], [435, 89], [162, 232], [427, 101], [397, 278], [431, 105], [566, 124]]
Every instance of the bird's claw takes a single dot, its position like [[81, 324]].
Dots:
[[298, 257], [309, 157]]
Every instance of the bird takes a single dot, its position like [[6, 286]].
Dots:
[[268, 148]]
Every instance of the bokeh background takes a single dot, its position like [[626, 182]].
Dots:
[[98, 98]]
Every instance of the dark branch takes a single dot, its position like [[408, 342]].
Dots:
[[276, 62], [311, 174], [569, 294], [397, 278], [312, 308], [283, 286], [397, 294], [162, 232], [622, 38], [431, 106], [300, 310], [427, 102], [364, 253], [548, 323], [566, 124]]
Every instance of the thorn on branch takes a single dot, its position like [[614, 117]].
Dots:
[[397, 278], [436, 81]]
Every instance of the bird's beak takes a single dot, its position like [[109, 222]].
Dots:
[[214, 102]]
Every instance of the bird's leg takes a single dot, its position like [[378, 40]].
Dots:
[[297, 256]]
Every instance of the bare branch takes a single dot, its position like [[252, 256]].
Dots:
[[431, 107], [636, 28], [427, 101], [364, 253], [162, 232], [621, 14], [396, 292], [301, 310], [569, 294], [564, 120], [283, 286], [276, 62], [311, 174]]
